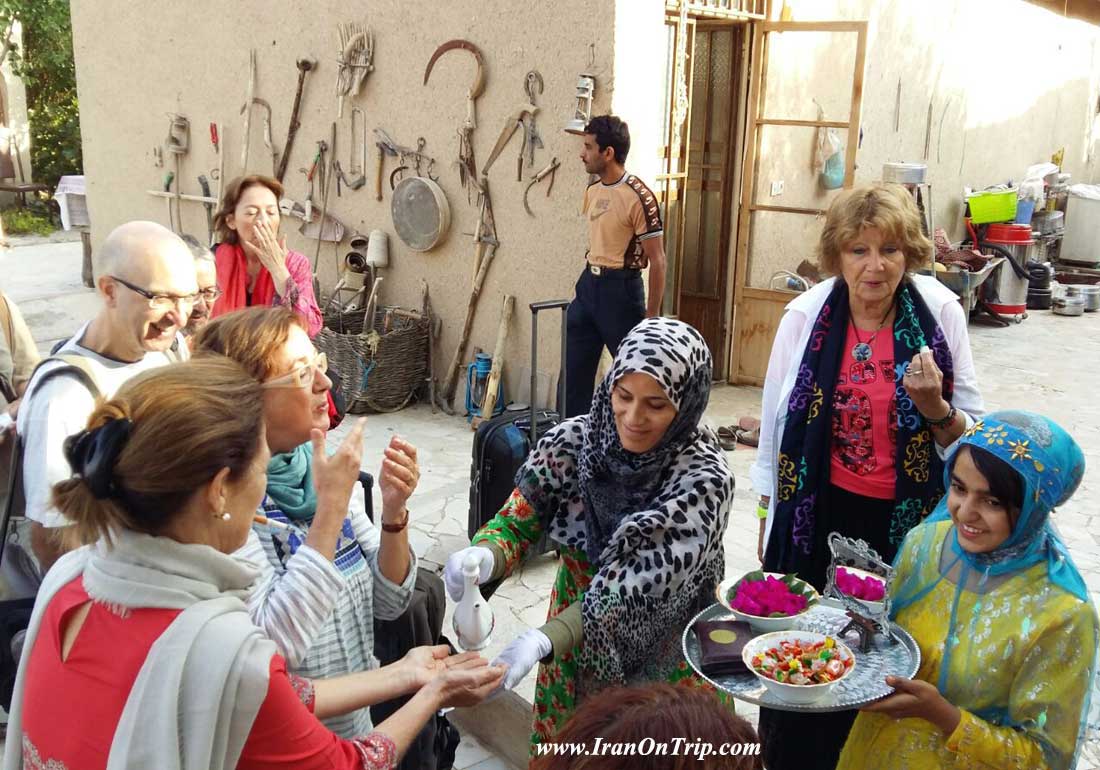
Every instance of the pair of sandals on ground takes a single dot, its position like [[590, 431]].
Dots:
[[746, 431]]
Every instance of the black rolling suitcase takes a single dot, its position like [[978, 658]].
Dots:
[[502, 444]]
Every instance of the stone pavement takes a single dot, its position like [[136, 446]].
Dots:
[[42, 275], [1040, 365]]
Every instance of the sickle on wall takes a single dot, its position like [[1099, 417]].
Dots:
[[465, 45], [467, 166]]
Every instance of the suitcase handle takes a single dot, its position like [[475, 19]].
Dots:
[[536, 307], [542, 418]]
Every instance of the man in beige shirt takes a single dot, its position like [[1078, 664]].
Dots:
[[625, 235], [18, 355]]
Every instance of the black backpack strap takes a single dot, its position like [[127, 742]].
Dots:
[[14, 490], [58, 345]]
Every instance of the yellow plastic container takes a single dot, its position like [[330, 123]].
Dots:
[[992, 206]]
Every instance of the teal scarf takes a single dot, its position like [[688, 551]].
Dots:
[[290, 482]]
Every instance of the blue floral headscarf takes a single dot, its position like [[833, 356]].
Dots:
[[1051, 465]]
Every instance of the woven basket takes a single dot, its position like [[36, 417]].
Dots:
[[380, 371]]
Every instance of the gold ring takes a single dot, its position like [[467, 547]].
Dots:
[[914, 371]]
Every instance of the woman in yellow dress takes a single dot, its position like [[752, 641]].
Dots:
[[1006, 630]]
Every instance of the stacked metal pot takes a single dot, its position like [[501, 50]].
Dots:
[[1078, 299]]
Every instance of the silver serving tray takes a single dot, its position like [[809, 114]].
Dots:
[[865, 684]]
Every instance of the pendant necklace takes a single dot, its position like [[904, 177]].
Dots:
[[862, 351]]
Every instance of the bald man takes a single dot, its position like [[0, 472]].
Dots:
[[146, 279]]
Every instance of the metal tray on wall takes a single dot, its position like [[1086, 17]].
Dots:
[[867, 683], [421, 213]]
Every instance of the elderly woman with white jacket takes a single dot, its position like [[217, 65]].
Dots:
[[870, 381]]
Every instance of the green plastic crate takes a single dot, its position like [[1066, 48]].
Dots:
[[992, 206]]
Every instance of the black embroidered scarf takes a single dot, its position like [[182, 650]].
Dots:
[[803, 463]]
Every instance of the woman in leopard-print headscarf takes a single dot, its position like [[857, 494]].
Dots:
[[637, 494]]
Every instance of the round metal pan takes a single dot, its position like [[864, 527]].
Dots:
[[421, 214]]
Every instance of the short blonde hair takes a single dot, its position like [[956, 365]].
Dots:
[[888, 207]]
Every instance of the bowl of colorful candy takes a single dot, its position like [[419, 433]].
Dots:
[[799, 667], [868, 587], [767, 601]]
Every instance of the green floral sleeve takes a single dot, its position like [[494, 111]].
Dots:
[[513, 530]]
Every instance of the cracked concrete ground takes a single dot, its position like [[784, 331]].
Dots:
[[1041, 365]]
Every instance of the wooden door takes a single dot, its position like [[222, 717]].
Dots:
[[675, 147], [757, 307], [708, 206], [700, 166]]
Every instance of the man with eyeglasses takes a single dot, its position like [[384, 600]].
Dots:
[[146, 279], [206, 273]]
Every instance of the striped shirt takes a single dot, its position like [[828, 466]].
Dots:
[[319, 613]]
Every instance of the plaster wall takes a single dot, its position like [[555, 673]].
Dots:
[[638, 83], [1007, 82], [136, 63]]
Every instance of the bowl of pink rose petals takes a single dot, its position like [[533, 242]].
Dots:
[[767, 601], [868, 587]]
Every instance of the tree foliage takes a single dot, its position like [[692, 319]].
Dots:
[[44, 62]]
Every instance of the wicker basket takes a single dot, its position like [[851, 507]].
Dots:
[[381, 370]]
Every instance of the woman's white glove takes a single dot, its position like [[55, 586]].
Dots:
[[452, 573], [521, 655]]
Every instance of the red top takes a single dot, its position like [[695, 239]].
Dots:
[[232, 271], [91, 686], [865, 419]]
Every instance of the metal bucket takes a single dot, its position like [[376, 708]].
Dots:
[[904, 173], [1021, 252], [1048, 222], [1006, 292]]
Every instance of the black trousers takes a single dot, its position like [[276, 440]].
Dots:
[[823, 735], [604, 309]]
